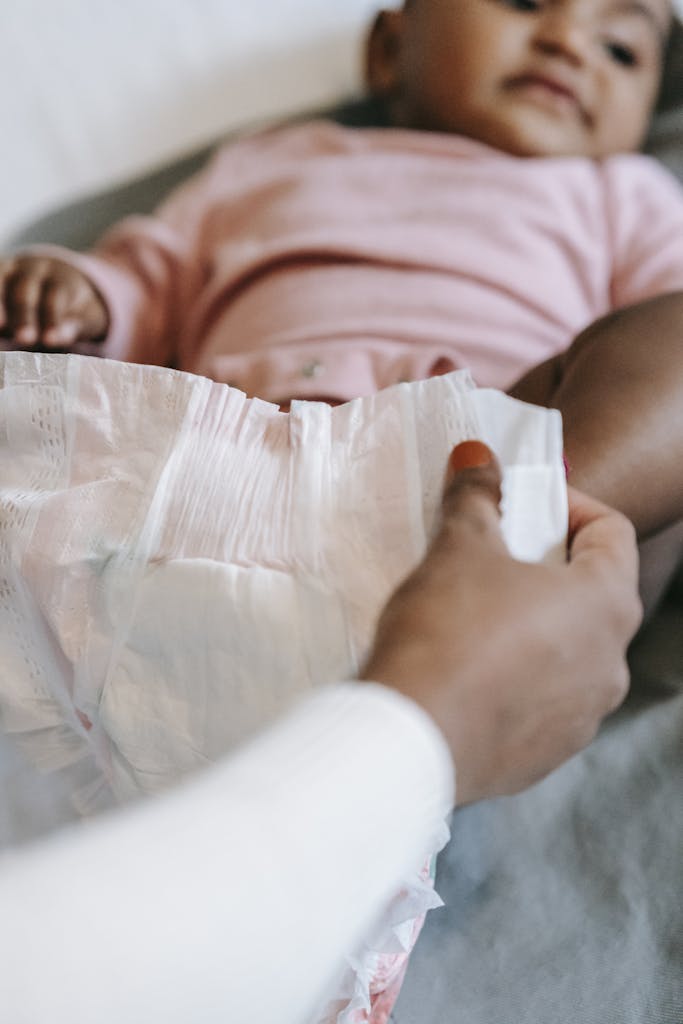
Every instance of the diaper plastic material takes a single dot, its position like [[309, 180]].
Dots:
[[179, 563]]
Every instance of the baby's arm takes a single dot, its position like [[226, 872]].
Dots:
[[133, 292], [124, 298], [152, 273]]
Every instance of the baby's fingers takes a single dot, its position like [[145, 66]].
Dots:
[[6, 267], [61, 314], [45, 302], [71, 311], [22, 291]]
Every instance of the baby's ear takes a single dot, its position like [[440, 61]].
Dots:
[[382, 53]]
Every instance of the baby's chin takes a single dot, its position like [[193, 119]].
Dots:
[[545, 146], [532, 144], [534, 133]]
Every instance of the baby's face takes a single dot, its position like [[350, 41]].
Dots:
[[532, 77]]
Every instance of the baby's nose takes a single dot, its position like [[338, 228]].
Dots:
[[563, 31]]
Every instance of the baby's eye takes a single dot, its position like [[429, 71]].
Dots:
[[622, 54], [524, 5]]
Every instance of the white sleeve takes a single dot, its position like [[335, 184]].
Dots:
[[235, 897]]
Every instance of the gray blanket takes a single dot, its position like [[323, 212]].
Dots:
[[565, 905]]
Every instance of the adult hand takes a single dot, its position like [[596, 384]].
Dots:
[[517, 663], [47, 303]]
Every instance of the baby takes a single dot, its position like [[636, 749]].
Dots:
[[499, 220]]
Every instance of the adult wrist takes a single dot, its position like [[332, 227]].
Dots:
[[422, 706]]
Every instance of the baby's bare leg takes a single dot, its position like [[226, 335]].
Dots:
[[619, 387]]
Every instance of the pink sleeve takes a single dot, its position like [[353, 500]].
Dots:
[[645, 214], [147, 268], [150, 269]]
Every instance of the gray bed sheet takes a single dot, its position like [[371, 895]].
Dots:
[[563, 905]]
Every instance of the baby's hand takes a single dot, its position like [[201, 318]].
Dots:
[[48, 304]]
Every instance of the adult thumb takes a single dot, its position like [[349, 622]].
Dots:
[[472, 494]]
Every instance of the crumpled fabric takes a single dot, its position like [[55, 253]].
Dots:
[[179, 564]]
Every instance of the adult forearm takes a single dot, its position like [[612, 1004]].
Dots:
[[236, 897]]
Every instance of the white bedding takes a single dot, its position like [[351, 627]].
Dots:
[[92, 92]]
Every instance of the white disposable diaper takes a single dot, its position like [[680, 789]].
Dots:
[[179, 564]]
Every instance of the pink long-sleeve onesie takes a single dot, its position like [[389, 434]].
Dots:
[[317, 260]]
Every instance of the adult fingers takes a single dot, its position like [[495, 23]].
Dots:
[[603, 549], [603, 544], [585, 510], [472, 496]]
